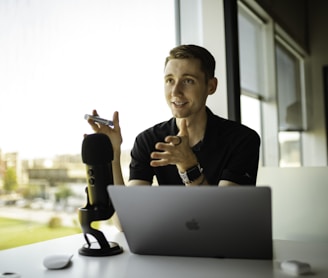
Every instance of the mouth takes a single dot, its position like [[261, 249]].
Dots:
[[178, 104]]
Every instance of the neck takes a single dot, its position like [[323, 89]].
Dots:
[[196, 125]]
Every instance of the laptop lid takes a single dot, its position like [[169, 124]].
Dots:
[[222, 222]]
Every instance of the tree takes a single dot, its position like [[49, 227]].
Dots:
[[63, 193], [10, 180]]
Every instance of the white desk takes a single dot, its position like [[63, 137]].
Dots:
[[27, 261]]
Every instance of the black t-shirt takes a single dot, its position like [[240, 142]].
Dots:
[[229, 151]]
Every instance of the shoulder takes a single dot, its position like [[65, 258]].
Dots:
[[231, 129]]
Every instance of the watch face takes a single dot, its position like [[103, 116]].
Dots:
[[194, 173], [191, 174]]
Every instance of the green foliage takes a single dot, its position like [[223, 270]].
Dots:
[[10, 180], [30, 191], [55, 222], [14, 233], [63, 192]]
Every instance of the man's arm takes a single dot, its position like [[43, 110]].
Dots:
[[227, 183], [176, 150]]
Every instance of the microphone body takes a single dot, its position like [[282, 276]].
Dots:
[[98, 178], [97, 154]]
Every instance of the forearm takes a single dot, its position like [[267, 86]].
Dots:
[[118, 180], [117, 169], [117, 222], [201, 180]]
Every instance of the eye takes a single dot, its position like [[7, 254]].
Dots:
[[169, 81], [188, 81]]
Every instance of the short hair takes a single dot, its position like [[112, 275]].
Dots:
[[191, 51]]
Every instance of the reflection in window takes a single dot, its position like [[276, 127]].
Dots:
[[251, 51], [290, 145], [291, 115], [289, 90]]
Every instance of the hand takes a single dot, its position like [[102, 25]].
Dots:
[[114, 133], [175, 151]]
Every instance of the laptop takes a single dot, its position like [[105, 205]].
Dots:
[[203, 221]]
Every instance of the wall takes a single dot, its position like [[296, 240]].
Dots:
[[202, 23], [315, 152], [291, 17], [299, 202]]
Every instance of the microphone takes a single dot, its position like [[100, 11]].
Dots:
[[97, 154]]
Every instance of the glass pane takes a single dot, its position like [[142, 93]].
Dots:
[[289, 91], [251, 115], [59, 60], [290, 149], [250, 53], [251, 112]]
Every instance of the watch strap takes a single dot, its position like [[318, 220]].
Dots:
[[191, 174]]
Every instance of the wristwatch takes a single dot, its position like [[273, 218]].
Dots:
[[191, 174]]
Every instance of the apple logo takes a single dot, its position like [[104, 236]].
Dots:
[[192, 225]]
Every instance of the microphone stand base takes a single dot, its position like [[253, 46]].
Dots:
[[94, 250]]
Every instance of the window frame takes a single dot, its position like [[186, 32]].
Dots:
[[273, 33]]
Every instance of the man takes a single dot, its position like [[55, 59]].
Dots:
[[195, 147]]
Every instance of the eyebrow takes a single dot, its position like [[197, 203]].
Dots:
[[184, 75]]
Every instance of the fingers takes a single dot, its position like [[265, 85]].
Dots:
[[163, 155], [173, 140], [103, 128], [168, 152], [159, 163], [94, 126], [179, 140], [182, 135], [113, 132], [116, 120], [175, 150]]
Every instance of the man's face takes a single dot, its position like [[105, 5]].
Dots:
[[186, 89]]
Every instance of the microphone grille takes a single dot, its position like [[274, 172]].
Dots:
[[97, 149]]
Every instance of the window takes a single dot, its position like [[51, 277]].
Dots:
[[251, 53], [251, 112], [291, 98], [290, 149], [61, 59], [289, 90], [252, 68], [272, 87]]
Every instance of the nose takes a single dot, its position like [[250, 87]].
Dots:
[[176, 89]]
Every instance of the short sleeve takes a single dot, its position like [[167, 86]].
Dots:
[[243, 163]]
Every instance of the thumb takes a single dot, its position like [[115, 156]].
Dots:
[[183, 128]]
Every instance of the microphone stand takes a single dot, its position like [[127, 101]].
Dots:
[[101, 247]]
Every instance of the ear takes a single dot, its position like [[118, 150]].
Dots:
[[212, 85]]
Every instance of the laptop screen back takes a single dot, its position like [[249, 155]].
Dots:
[[227, 222]]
